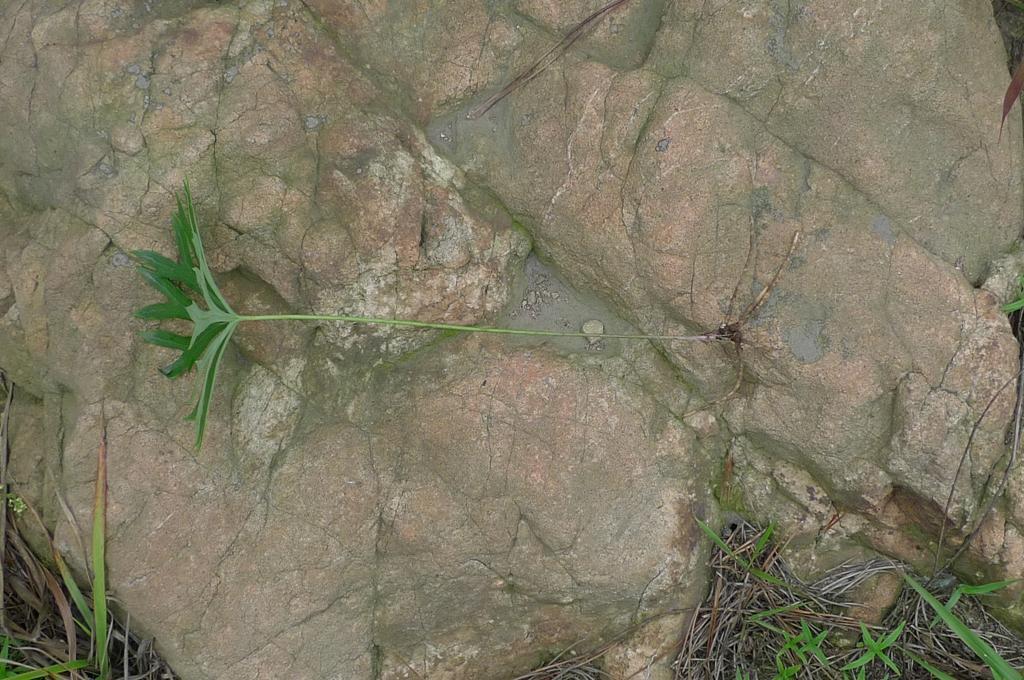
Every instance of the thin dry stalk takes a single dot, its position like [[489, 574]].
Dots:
[[756, 607], [587, 665], [40, 619], [937, 644], [548, 58], [1010, 463]]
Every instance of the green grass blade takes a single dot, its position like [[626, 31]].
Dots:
[[768, 626], [985, 588], [50, 671], [99, 569], [759, 573], [1011, 307], [870, 648], [936, 673], [1014, 305], [890, 638], [76, 595], [762, 542], [717, 540], [760, 618], [978, 590], [950, 604], [889, 662], [862, 660], [1000, 668]]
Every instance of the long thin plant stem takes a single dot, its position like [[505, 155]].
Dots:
[[191, 294], [548, 58], [704, 337]]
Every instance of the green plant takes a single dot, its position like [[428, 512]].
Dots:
[[13, 669], [26, 660], [189, 280], [802, 646], [762, 543], [759, 615], [974, 591], [16, 503], [1018, 302], [876, 649], [1001, 670], [46, 622], [99, 565], [94, 621]]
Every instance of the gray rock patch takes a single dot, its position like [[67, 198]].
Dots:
[[806, 341], [882, 226]]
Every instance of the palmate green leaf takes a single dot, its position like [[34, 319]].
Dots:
[[162, 338], [812, 642], [875, 649], [208, 365], [213, 324], [192, 351], [215, 321], [182, 231], [890, 638], [169, 290], [167, 268], [862, 660], [162, 311], [208, 287]]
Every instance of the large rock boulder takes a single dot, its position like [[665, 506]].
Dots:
[[391, 503]]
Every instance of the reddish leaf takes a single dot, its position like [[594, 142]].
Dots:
[[1012, 94], [64, 607]]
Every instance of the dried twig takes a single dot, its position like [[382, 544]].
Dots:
[[548, 58], [732, 331], [748, 621], [1014, 450]]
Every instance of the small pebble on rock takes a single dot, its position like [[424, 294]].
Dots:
[[593, 329]]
